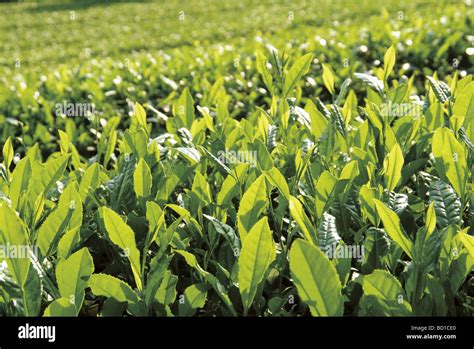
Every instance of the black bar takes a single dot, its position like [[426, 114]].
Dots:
[[317, 332]]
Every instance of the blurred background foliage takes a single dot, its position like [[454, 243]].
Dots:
[[113, 53]]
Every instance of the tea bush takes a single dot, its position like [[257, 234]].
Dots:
[[283, 177]]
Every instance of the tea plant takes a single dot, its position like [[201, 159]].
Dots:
[[319, 175], [359, 205]]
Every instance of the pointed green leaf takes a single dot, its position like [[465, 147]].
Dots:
[[89, 181], [316, 279], [296, 72], [230, 187], [454, 158], [185, 109], [263, 157], [13, 232], [155, 217], [201, 188], [21, 177], [388, 62], [166, 293], [430, 219], [73, 274], [262, 69], [366, 195], [324, 189], [46, 175], [384, 289], [124, 237], [392, 167], [275, 177], [194, 297], [8, 153], [391, 224], [137, 142], [139, 119], [66, 217], [258, 251], [298, 214], [251, 206], [142, 180], [64, 142], [111, 287], [446, 203], [328, 78], [464, 106]]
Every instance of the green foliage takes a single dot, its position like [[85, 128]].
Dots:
[[251, 206], [124, 237], [392, 227], [284, 181], [258, 251], [383, 295], [446, 203], [72, 276], [316, 279]]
